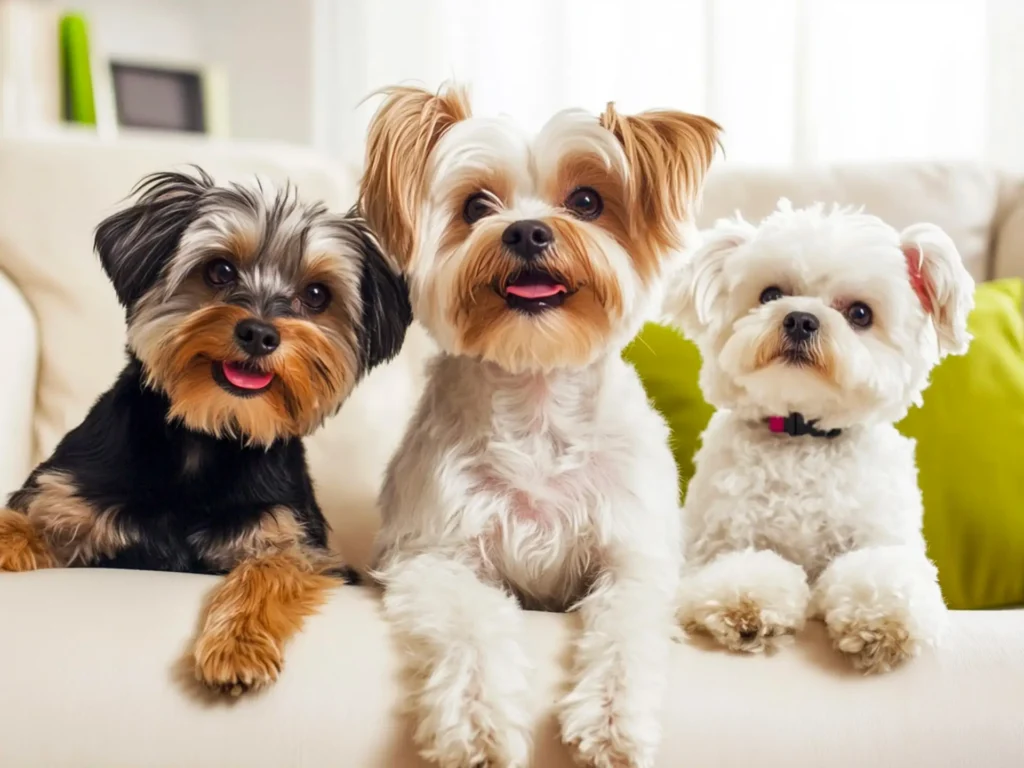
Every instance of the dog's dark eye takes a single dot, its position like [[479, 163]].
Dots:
[[477, 206], [771, 293], [316, 296], [860, 315], [585, 203], [220, 272]]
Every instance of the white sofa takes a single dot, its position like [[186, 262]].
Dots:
[[90, 671]]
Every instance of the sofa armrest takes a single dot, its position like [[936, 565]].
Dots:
[[17, 386]]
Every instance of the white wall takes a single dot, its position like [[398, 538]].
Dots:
[[1006, 83], [265, 48], [163, 29], [297, 69]]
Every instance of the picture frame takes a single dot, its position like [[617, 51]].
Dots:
[[177, 97]]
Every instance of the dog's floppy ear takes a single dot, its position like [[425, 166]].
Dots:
[[697, 289], [135, 243], [669, 154], [402, 134], [386, 312], [942, 283]]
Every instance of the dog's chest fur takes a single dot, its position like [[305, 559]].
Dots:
[[807, 498], [538, 482]]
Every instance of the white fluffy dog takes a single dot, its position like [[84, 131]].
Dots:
[[818, 330], [534, 473]]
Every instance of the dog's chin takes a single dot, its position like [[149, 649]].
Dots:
[[241, 379], [534, 291]]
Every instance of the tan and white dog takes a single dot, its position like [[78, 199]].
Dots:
[[535, 474]]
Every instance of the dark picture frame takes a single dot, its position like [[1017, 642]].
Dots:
[[159, 98]]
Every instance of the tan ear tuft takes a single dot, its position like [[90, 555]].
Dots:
[[402, 134], [669, 154]]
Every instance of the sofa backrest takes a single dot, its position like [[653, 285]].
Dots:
[[964, 199], [53, 194]]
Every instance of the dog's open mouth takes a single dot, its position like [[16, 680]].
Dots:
[[534, 291], [242, 379]]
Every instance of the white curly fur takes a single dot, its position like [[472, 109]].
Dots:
[[777, 527]]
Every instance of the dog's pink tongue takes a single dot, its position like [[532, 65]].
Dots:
[[246, 379], [536, 290]]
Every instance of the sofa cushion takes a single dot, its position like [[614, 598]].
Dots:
[[17, 385]]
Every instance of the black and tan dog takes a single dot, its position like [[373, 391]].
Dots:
[[251, 316]]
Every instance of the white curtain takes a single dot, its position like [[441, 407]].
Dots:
[[792, 81]]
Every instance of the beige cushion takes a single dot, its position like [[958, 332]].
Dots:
[[17, 385], [960, 198], [1008, 256], [88, 681]]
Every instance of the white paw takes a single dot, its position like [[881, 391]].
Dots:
[[750, 600], [874, 645], [742, 624], [881, 606], [604, 733], [460, 730]]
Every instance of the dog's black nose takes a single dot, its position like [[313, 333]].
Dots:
[[256, 337], [527, 238], [800, 326]]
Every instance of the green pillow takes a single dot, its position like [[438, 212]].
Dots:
[[970, 444]]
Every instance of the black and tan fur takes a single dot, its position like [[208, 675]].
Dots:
[[175, 468]]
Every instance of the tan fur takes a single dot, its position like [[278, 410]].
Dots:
[[405, 129], [875, 648], [76, 533], [242, 243], [259, 606], [490, 181], [313, 374], [488, 329], [21, 546], [669, 154], [618, 217], [820, 357], [769, 350], [277, 531]]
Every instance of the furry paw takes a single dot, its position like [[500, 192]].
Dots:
[[21, 548], [474, 733], [602, 735], [237, 663], [874, 646], [750, 600], [743, 625], [881, 605]]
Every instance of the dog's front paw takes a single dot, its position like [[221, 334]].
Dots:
[[21, 547], [237, 662], [464, 732], [749, 600], [874, 645], [882, 605], [742, 624], [603, 733]]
